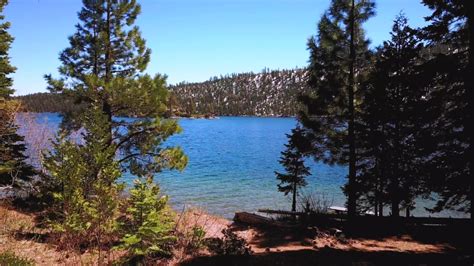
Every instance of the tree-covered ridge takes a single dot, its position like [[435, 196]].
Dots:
[[269, 93], [45, 102]]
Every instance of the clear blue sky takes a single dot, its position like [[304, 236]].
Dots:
[[191, 40]]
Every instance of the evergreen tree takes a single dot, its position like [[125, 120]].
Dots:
[[448, 72], [148, 223], [12, 158], [103, 66], [292, 159], [338, 58], [108, 52], [84, 202], [390, 167], [6, 69], [106, 43], [102, 69]]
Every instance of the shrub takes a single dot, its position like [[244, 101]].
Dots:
[[315, 203], [190, 231], [196, 238], [148, 223], [10, 259], [230, 244], [83, 185]]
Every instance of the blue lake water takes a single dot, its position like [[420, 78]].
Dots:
[[232, 162], [231, 166]]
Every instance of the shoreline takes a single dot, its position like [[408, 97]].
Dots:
[[191, 117]]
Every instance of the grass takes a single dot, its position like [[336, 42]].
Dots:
[[21, 238], [9, 258]]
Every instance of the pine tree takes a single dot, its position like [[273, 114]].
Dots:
[[13, 167], [83, 183], [338, 56], [148, 223], [391, 120], [292, 159], [108, 52], [102, 69], [448, 72], [6, 68]]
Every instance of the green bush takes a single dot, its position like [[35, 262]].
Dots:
[[10, 259], [196, 238], [86, 192], [148, 224]]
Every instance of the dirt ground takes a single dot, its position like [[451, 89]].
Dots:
[[270, 246], [262, 241], [19, 235], [310, 246]]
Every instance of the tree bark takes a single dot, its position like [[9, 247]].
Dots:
[[106, 107], [351, 201], [293, 205], [469, 6], [395, 202]]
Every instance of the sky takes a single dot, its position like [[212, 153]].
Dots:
[[191, 40]]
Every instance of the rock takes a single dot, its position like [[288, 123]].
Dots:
[[335, 231]]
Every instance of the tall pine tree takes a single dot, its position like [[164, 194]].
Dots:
[[104, 65], [390, 168], [339, 56], [103, 70], [13, 167], [448, 72]]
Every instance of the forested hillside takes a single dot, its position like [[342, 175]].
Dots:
[[47, 103], [269, 93]]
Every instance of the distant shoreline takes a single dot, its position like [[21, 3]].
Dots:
[[194, 116]]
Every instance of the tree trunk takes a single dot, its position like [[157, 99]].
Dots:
[[106, 108], [293, 205], [395, 204], [351, 201], [469, 6]]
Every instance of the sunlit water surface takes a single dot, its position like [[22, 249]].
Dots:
[[231, 166]]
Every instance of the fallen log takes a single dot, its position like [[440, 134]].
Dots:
[[254, 219], [281, 212]]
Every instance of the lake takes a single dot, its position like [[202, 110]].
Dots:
[[231, 166], [232, 162]]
